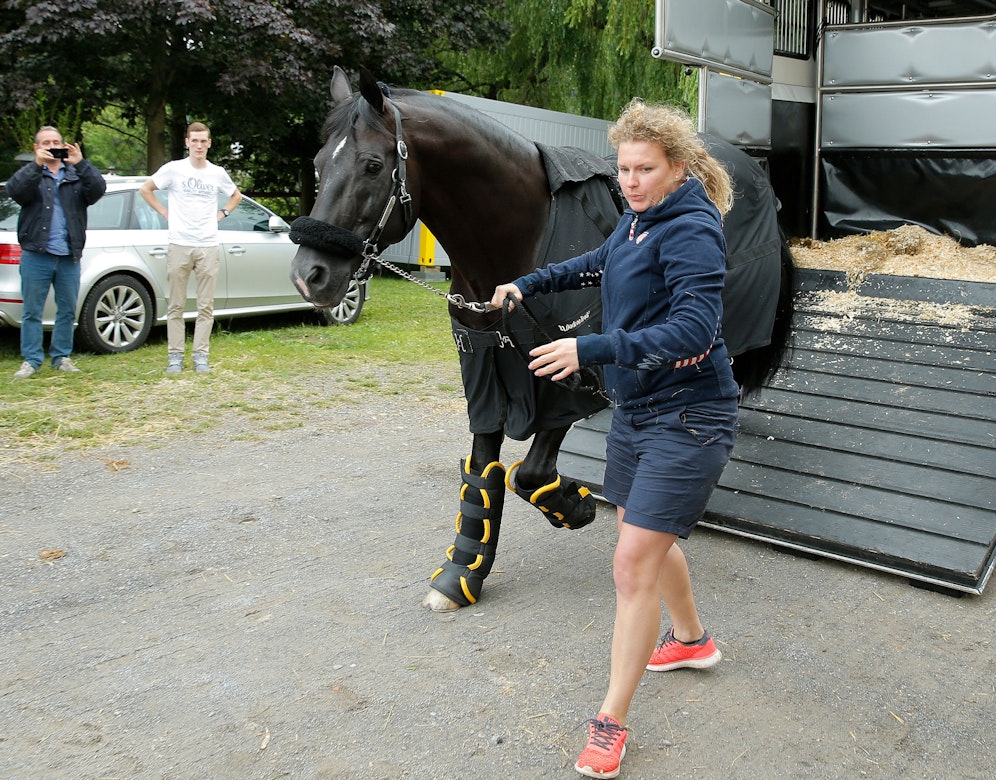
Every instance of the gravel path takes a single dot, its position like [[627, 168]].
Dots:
[[245, 604]]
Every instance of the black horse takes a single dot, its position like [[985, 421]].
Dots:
[[393, 156]]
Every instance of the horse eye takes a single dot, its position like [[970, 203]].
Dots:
[[374, 167]]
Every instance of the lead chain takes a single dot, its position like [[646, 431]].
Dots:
[[456, 299]]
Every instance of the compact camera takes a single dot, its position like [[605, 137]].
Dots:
[[59, 154]]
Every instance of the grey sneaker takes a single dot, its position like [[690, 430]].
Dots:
[[174, 365], [67, 365], [201, 364], [25, 371]]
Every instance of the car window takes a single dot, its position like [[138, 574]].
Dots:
[[146, 217], [247, 216], [9, 211], [111, 212]]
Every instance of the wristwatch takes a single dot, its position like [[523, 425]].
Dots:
[[226, 212]]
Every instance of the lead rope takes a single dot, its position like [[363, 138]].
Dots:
[[584, 381], [456, 299]]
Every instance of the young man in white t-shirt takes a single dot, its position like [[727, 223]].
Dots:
[[193, 215]]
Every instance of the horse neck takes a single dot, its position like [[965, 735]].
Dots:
[[485, 196]]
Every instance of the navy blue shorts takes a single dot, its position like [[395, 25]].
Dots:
[[662, 467]]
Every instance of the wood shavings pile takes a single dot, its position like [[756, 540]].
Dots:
[[842, 307], [906, 251]]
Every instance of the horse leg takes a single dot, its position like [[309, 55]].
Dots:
[[457, 583], [535, 479]]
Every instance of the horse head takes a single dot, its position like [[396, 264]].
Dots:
[[364, 200]]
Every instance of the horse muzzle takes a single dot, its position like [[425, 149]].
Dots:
[[317, 285], [326, 259]]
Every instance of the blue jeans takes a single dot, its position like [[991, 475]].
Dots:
[[39, 272]]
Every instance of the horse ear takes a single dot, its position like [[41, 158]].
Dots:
[[370, 90], [341, 91]]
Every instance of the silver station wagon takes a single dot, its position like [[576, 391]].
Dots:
[[123, 289]]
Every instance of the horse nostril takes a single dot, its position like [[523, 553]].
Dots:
[[317, 275]]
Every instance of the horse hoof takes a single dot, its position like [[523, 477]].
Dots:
[[437, 602]]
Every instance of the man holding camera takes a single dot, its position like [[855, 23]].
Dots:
[[53, 191]]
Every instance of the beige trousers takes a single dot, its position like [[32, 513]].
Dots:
[[205, 262]]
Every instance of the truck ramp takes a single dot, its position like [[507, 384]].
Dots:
[[876, 442]]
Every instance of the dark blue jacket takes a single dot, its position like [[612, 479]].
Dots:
[[661, 274], [35, 192]]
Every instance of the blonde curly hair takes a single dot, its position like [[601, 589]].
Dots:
[[672, 129]]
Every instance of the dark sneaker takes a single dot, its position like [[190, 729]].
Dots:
[[201, 364], [672, 654], [605, 749], [174, 363], [25, 371], [67, 365]]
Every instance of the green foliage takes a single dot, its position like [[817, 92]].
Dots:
[[587, 57], [257, 71], [112, 144], [67, 116]]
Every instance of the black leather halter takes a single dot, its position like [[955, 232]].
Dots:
[[399, 194]]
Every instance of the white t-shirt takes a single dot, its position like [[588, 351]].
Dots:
[[193, 200]]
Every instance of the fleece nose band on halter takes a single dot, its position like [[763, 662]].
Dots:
[[324, 237]]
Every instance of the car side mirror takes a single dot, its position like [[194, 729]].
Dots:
[[278, 225]]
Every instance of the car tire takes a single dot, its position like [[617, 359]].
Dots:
[[117, 316], [349, 308]]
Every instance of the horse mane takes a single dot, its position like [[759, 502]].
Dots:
[[476, 121], [348, 113]]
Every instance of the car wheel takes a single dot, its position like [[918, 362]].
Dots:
[[117, 316], [349, 308]]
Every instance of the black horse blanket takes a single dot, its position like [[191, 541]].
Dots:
[[501, 392], [585, 207], [753, 251]]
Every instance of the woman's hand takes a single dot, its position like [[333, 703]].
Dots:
[[503, 291], [558, 359]]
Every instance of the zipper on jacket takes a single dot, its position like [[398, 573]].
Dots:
[[632, 227]]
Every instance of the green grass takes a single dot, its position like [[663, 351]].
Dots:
[[266, 373]]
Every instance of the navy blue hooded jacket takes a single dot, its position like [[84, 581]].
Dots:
[[661, 274], [34, 191]]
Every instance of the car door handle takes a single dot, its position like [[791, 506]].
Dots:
[[158, 251], [236, 250]]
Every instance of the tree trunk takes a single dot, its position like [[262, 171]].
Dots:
[[155, 121], [177, 133], [155, 104]]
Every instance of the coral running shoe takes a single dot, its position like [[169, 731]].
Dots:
[[673, 654], [605, 749]]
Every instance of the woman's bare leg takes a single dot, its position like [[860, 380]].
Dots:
[[675, 587], [638, 567]]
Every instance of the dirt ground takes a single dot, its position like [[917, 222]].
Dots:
[[246, 605]]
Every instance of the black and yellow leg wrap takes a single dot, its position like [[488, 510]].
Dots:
[[565, 506], [470, 558]]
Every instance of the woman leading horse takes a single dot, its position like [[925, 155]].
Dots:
[[393, 156], [668, 371]]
